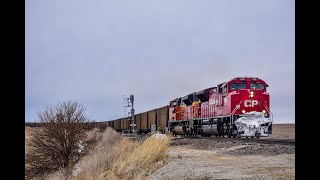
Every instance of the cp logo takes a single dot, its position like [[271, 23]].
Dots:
[[249, 103]]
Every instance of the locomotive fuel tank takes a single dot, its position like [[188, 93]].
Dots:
[[211, 121], [212, 129], [206, 121], [181, 130], [216, 121]]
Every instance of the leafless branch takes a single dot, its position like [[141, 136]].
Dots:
[[55, 145]]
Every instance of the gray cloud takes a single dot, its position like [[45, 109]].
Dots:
[[95, 52]]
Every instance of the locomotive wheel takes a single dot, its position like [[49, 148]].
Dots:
[[229, 133], [258, 137], [247, 137], [252, 137]]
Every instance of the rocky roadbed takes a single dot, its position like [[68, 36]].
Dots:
[[222, 146], [218, 158]]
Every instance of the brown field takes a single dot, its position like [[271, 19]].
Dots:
[[283, 131]]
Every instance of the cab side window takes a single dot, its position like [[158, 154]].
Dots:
[[225, 89], [233, 86]]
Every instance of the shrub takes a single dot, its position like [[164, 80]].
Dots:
[[55, 145]]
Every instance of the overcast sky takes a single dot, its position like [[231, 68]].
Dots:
[[96, 51]]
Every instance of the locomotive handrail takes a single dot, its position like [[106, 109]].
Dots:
[[266, 107], [268, 111], [235, 109]]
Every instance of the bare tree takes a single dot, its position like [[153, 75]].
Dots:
[[55, 144]]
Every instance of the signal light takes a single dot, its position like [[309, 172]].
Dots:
[[243, 111]]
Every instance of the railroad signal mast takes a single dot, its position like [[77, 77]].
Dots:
[[128, 102]]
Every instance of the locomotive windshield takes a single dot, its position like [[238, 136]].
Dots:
[[256, 86], [235, 86]]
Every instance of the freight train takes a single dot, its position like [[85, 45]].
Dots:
[[239, 107]]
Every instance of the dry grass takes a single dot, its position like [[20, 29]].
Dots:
[[113, 157], [143, 160], [102, 156], [117, 158], [28, 134], [92, 137], [59, 175]]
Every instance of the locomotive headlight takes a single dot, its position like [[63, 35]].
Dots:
[[263, 111], [251, 94], [243, 111]]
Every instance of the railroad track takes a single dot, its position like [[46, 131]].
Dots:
[[269, 141], [290, 142]]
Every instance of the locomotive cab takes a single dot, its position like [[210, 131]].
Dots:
[[250, 102], [249, 94]]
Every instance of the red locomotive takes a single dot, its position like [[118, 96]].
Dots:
[[239, 107]]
